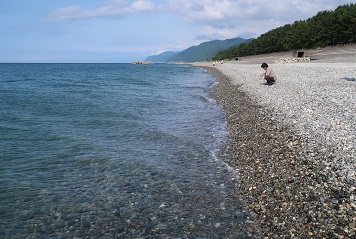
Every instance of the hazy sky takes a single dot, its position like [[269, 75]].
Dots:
[[126, 31]]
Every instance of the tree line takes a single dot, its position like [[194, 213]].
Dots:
[[326, 28]]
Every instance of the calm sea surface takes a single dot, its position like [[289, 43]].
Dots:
[[113, 151]]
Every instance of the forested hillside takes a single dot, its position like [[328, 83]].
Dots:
[[327, 28], [163, 57]]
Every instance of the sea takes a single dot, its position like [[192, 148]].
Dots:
[[114, 151]]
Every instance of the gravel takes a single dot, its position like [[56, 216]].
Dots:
[[293, 144]]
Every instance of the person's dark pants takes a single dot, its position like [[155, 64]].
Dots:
[[270, 80]]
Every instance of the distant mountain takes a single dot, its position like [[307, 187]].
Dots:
[[163, 57], [203, 52]]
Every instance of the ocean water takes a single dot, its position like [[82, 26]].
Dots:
[[114, 151]]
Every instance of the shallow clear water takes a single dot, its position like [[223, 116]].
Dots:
[[113, 151]]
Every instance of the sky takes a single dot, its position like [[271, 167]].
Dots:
[[123, 31]]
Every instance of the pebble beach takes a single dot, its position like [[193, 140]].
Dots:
[[293, 144]]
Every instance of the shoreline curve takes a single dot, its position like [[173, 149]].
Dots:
[[293, 144]]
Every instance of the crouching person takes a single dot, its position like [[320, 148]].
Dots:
[[270, 75]]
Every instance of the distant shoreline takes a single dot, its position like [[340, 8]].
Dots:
[[293, 143]]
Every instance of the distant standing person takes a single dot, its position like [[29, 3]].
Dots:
[[270, 75]]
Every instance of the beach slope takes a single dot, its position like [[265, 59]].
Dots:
[[294, 143]]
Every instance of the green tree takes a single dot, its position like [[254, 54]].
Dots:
[[326, 28]]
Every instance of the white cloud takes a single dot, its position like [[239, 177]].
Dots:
[[142, 5], [112, 9], [231, 18], [217, 19]]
